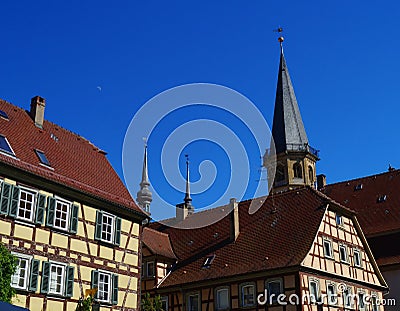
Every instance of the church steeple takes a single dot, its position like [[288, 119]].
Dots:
[[144, 195], [295, 158], [186, 208], [187, 199]]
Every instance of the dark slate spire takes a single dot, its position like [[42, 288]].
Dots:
[[144, 196], [287, 129]]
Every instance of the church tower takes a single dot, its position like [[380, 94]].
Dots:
[[293, 158], [144, 195]]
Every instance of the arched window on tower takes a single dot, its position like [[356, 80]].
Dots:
[[280, 173], [297, 170], [311, 174]]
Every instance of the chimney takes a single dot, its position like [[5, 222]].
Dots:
[[182, 211], [321, 181], [37, 110], [234, 217]]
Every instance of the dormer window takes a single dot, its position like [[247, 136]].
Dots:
[[5, 146], [42, 157], [297, 170]]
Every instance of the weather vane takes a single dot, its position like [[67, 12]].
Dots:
[[187, 158], [281, 38], [145, 141]]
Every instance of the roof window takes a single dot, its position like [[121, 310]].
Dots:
[[5, 146], [42, 157], [358, 187], [3, 114], [207, 263], [381, 198]]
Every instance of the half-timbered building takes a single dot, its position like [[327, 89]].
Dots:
[[66, 216]]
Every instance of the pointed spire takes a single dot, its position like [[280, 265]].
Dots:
[[144, 195], [187, 199], [288, 128]]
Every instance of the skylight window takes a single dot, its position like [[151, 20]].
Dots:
[[42, 157], [5, 146], [207, 263], [358, 187], [3, 114], [382, 198]]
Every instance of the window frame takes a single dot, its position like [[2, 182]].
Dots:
[[5, 152], [42, 156], [164, 300], [374, 301], [273, 280], [217, 302], [318, 289], [357, 251], [242, 298], [335, 294], [345, 300], [346, 259], [110, 286], [329, 241], [68, 217], [63, 278], [34, 194], [27, 271], [297, 170], [188, 303], [147, 269], [340, 223], [363, 293], [112, 233]]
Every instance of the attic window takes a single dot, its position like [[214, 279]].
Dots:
[[42, 157], [207, 263], [3, 114], [381, 198], [5, 146], [358, 187]]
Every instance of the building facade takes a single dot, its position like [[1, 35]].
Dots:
[[65, 215]]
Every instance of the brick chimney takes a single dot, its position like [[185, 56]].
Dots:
[[321, 181], [37, 110], [234, 216]]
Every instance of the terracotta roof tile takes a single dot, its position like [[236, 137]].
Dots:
[[158, 243]]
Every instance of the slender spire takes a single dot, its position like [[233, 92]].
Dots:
[[144, 195], [187, 199], [288, 128]]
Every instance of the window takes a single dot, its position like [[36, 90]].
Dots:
[[108, 228], [358, 187], [343, 253], [222, 295], [207, 263], [150, 269], [3, 114], [5, 146], [314, 291], [26, 205], [274, 289], [193, 302], [357, 258], [328, 248], [164, 303], [297, 170], [347, 297], [42, 157], [374, 302], [27, 273], [381, 198], [310, 174], [62, 215], [57, 279], [339, 220], [107, 286], [332, 294], [361, 301], [247, 295]]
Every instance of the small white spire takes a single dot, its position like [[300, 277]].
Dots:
[[187, 199], [144, 195]]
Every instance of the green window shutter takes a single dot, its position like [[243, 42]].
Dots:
[[51, 206], [73, 228], [14, 201], [117, 237], [40, 206], [115, 289], [5, 198], [99, 225], [95, 281], [45, 277], [69, 282], [33, 280]]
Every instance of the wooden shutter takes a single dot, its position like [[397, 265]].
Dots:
[[95, 281], [117, 237], [45, 277], [14, 201], [73, 228], [99, 225], [34, 275], [5, 198], [51, 206], [115, 289], [69, 282], [40, 206]]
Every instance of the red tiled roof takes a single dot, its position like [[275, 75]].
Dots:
[[278, 235], [158, 243], [77, 163], [374, 217]]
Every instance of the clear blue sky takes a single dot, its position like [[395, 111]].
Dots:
[[342, 56]]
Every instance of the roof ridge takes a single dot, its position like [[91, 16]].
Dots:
[[365, 177]]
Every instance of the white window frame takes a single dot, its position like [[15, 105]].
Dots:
[[68, 216], [346, 259], [63, 274], [361, 301], [374, 306], [110, 286], [340, 223], [164, 299], [17, 271], [112, 217], [357, 251], [218, 306], [335, 294], [154, 269], [274, 280], [328, 241], [242, 298], [188, 304], [34, 194], [2, 151], [348, 303], [318, 288]]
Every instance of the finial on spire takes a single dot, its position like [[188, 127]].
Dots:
[[281, 38], [187, 199]]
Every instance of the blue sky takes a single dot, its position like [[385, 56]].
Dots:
[[342, 57]]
